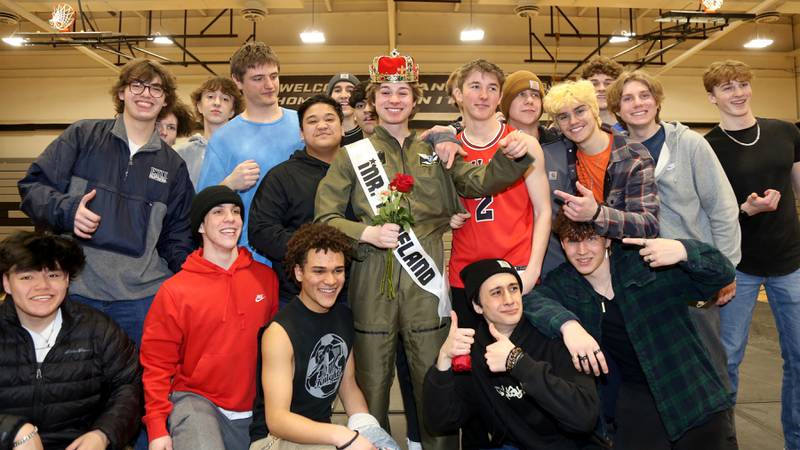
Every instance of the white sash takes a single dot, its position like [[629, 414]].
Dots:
[[409, 253]]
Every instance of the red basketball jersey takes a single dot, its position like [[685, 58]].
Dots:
[[500, 226]]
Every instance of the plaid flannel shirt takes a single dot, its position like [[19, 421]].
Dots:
[[631, 197], [653, 302]]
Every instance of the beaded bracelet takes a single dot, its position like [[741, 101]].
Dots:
[[513, 358], [26, 438]]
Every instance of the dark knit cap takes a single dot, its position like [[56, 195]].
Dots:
[[349, 77], [207, 199], [476, 273]]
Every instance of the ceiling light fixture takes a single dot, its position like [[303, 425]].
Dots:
[[758, 43], [312, 35], [162, 40], [15, 41], [623, 36], [471, 33]]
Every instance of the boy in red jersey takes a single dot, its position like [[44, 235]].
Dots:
[[513, 225]]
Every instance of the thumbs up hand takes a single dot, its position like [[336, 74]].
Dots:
[[497, 353], [459, 342], [86, 222], [578, 208]]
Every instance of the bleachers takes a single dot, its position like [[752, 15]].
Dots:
[[11, 218]]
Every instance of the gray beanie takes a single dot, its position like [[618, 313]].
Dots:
[[349, 77]]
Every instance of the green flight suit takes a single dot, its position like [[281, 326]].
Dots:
[[413, 313]]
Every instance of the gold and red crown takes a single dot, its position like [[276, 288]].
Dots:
[[394, 68]]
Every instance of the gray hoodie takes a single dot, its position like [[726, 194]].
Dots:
[[697, 201]]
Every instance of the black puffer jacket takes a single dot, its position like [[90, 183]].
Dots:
[[89, 380]]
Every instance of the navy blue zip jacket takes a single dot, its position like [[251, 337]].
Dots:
[[143, 201]]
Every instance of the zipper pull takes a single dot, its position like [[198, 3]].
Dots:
[[39, 371], [130, 163], [603, 306]]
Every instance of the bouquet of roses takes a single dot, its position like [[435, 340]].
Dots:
[[392, 211]]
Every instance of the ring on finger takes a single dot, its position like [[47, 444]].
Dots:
[[583, 358], [597, 351]]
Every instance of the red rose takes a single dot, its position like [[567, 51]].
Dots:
[[462, 363], [402, 182]]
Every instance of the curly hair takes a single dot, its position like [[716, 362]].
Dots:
[[224, 85], [569, 94], [315, 237], [614, 93], [250, 56], [184, 116], [721, 72], [144, 70], [31, 250], [565, 228], [601, 65]]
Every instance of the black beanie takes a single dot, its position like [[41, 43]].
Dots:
[[207, 199], [476, 273]]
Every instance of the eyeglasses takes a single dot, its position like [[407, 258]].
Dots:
[[138, 87]]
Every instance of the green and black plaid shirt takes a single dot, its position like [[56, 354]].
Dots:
[[653, 304]]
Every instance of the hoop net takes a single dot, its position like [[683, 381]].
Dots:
[[63, 17]]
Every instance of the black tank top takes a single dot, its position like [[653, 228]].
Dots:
[[321, 344]]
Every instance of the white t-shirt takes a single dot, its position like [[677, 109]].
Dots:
[[45, 340]]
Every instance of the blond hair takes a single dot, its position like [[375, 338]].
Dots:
[[571, 93]]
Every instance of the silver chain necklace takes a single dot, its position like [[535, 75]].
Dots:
[[746, 144]]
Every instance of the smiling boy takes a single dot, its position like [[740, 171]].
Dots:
[[264, 135], [761, 158], [199, 347], [613, 176], [103, 179]]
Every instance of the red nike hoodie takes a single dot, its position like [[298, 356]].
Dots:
[[200, 335]]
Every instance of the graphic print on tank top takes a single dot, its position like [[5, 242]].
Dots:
[[326, 366]]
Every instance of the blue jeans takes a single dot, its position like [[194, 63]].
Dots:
[[783, 293], [129, 315]]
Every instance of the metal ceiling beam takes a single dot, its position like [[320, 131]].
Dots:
[[34, 19], [761, 7]]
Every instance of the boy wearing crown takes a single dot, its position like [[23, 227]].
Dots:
[[419, 312]]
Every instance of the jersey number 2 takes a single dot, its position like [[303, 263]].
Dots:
[[483, 212]]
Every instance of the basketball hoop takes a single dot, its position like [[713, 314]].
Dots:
[[63, 17]]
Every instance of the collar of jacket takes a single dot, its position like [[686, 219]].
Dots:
[[154, 144], [628, 267], [385, 136]]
